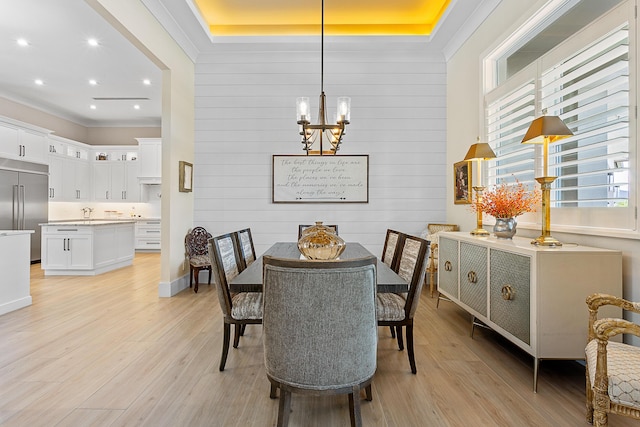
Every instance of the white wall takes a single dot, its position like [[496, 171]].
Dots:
[[245, 113], [464, 105]]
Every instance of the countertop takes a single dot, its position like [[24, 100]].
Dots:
[[4, 233], [89, 222]]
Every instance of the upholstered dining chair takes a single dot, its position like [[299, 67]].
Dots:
[[302, 227], [238, 309], [398, 310], [612, 368], [391, 249], [432, 237], [195, 245], [247, 250], [319, 329]]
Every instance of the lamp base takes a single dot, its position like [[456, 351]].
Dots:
[[479, 232], [546, 241]]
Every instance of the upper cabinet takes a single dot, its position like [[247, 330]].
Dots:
[[69, 170], [115, 174], [22, 141], [150, 155]]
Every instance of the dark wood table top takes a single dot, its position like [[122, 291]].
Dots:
[[250, 280]]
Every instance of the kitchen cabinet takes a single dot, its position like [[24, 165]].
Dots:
[[148, 235], [15, 288], [116, 181], [150, 156], [69, 170], [86, 247], [22, 141], [533, 296]]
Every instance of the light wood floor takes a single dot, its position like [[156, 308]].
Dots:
[[106, 351]]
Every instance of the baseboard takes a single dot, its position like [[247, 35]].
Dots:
[[169, 289]]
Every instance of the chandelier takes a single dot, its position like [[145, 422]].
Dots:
[[328, 136]]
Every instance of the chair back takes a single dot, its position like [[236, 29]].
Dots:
[[391, 250], [195, 242], [411, 267], [225, 262], [302, 227], [319, 322], [247, 250]]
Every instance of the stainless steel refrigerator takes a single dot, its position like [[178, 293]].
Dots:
[[24, 201]]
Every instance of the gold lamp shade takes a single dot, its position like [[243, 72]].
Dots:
[[546, 129], [480, 151]]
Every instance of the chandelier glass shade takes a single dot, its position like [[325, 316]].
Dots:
[[323, 138]]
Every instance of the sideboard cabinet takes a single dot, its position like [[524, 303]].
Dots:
[[533, 296]]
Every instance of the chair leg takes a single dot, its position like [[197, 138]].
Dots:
[[399, 334], [209, 282], [432, 282], [190, 276], [225, 345], [354, 407], [273, 392], [242, 329], [412, 359], [236, 336], [284, 407], [393, 332], [369, 395], [196, 273], [589, 396]]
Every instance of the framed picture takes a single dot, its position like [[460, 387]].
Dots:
[[462, 182], [185, 177], [320, 179]]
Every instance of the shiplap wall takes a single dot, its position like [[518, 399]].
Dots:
[[245, 113]]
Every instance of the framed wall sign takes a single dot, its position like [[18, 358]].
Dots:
[[185, 177], [320, 179], [462, 182]]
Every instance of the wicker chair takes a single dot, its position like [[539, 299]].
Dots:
[[613, 368], [432, 237], [320, 329], [238, 309], [195, 245]]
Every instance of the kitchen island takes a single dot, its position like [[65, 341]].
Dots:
[[86, 247], [15, 250]]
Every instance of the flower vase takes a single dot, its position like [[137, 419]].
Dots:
[[505, 228]]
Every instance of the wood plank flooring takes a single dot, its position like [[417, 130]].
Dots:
[[107, 351]]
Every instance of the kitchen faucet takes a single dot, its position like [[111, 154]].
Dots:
[[86, 212]]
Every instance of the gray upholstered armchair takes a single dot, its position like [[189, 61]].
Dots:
[[319, 329]]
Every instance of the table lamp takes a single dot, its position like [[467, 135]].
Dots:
[[546, 130], [479, 151]]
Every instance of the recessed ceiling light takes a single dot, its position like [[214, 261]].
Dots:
[[92, 42], [137, 107], [39, 82], [22, 42], [93, 82], [146, 82], [93, 107]]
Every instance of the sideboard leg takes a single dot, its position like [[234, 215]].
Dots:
[[536, 363]]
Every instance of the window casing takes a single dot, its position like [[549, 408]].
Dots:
[[588, 81]]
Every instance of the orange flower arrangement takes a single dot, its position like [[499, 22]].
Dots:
[[508, 201]]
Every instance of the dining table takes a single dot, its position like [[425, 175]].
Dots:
[[250, 279]]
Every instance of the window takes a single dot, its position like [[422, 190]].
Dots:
[[586, 82]]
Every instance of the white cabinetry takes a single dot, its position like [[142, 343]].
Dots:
[[116, 180], [86, 248], [69, 170], [150, 155], [23, 141], [533, 296], [15, 290], [148, 234], [67, 248]]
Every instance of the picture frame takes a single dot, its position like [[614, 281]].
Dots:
[[185, 177], [320, 179], [462, 185]]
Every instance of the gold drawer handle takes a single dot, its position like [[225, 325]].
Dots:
[[447, 266], [507, 293], [472, 277]]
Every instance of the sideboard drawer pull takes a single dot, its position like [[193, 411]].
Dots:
[[447, 266], [507, 292], [472, 277]]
